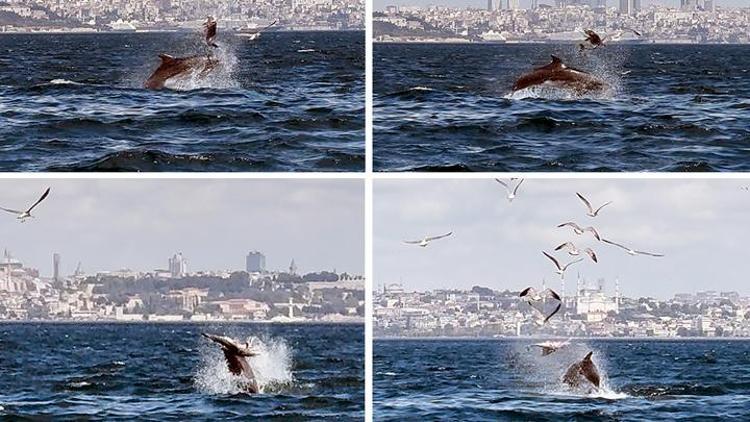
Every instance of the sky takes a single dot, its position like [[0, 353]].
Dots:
[[140, 223], [381, 4], [700, 225]]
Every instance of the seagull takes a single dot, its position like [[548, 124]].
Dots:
[[561, 269], [424, 242], [592, 213], [209, 31], [23, 215], [572, 250], [511, 192], [533, 298], [595, 41], [632, 251], [745, 188], [549, 347], [579, 230]]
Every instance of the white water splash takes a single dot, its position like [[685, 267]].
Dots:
[[220, 77], [549, 371], [554, 92], [272, 368], [63, 82]]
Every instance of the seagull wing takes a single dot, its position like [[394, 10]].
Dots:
[[413, 242], [592, 254], [529, 291], [600, 208], [11, 211], [517, 186], [559, 305], [596, 233], [44, 195], [551, 293], [429, 239], [565, 245], [571, 224], [505, 185], [571, 263], [649, 254], [552, 258], [585, 201], [615, 244]]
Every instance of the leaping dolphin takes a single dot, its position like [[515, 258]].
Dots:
[[235, 355], [581, 373], [172, 67], [558, 75], [209, 31]]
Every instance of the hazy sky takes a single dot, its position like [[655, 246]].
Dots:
[[701, 226], [139, 224], [381, 4]]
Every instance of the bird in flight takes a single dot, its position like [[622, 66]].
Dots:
[[632, 251], [538, 300], [23, 215], [424, 242], [561, 268], [574, 251], [581, 230], [512, 192], [592, 212]]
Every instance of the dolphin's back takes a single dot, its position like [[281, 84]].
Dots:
[[558, 72]]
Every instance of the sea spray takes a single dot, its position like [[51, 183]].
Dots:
[[272, 368]]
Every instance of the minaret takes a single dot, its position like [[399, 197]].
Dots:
[[617, 294], [292, 267]]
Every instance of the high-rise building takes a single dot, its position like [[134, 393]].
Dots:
[[512, 4], [490, 5], [630, 7], [534, 4], [708, 5], [177, 266], [255, 262], [56, 267]]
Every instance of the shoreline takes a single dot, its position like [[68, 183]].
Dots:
[[560, 42], [537, 338], [157, 31], [248, 322]]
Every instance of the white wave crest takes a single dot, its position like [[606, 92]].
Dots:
[[272, 367]]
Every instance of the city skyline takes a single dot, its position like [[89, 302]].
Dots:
[[111, 224], [380, 5], [498, 245]]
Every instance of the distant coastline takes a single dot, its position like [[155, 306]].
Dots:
[[157, 31], [458, 41], [537, 338], [184, 322]]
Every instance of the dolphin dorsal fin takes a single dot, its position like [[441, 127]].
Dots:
[[166, 58], [556, 62], [588, 357]]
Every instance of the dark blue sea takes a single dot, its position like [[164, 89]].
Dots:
[[169, 372], [290, 101], [506, 380], [669, 108]]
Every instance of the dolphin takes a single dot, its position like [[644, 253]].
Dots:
[[209, 31], [582, 372], [235, 355], [172, 67], [559, 75]]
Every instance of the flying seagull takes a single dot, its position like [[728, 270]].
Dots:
[[581, 230], [424, 242], [574, 251], [511, 192], [592, 213], [632, 251], [594, 40], [537, 300], [560, 268], [549, 347], [23, 215]]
